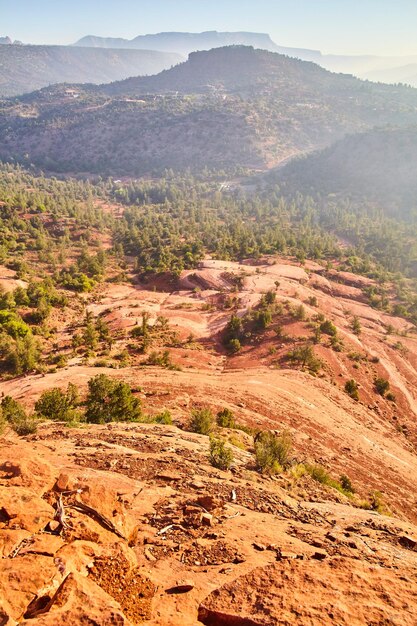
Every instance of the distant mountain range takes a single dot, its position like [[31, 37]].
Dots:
[[384, 69], [227, 108], [26, 68], [184, 43]]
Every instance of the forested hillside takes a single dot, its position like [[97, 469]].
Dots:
[[378, 166], [26, 68], [228, 108]]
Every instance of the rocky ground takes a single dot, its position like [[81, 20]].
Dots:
[[131, 524], [127, 524]]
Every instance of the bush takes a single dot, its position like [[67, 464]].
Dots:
[[163, 418], [304, 356], [318, 473], [56, 405], [226, 419], [351, 388], [328, 328], [262, 319], [221, 456], [202, 421], [346, 483], [111, 401], [14, 413], [163, 359], [26, 425], [300, 313], [272, 452], [356, 326], [381, 386], [20, 356], [234, 345]]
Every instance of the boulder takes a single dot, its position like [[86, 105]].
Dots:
[[22, 509]]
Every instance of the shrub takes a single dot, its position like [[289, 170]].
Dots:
[[202, 421], [233, 330], [328, 328], [346, 483], [270, 297], [318, 473], [221, 455], [234, 345], [13, 324], [111, 401], [381, 386], [163, 418], [163, 359], [26, 425], [226, 419], [262, 319], [56, 405], [304, 356], [21, 355], [356, 326], [351, 388], [14, 413], [272, 452], [300, 313]]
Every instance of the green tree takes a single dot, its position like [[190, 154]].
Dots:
[[109, 400], [56, 405], [304, 356]]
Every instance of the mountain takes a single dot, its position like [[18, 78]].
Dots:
[[371, 67], [380, 69], [5, 40], [406, 74], [185, 43], [225, 108], [25, 68], [378, 166]]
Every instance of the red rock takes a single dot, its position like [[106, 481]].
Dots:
[[22, 509]]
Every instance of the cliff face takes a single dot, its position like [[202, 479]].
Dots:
[[184, 43]]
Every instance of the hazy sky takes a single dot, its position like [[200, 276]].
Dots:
[[340, 26]]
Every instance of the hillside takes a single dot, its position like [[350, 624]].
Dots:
[[378, 166], [193, 410], [226, 108], [26, 68]]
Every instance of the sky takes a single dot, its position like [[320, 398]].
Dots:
[[382, 27]]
